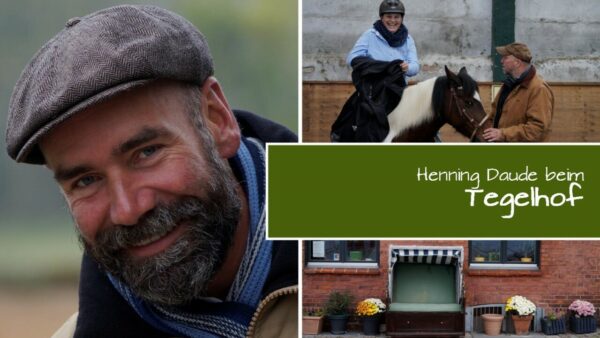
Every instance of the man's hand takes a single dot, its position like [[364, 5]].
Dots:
[[493, 135]]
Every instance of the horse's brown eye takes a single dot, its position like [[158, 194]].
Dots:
[[468, 104]]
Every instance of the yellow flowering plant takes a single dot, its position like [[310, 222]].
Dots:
[[370, 307]]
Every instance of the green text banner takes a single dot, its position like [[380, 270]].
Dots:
[[433, 191]]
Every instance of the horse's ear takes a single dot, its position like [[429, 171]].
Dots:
[[451, 76], [448, 71], [463, 71]]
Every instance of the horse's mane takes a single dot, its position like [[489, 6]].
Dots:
[[441, 83], [424, 102]]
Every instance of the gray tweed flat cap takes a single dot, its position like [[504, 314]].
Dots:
[[94, 58]]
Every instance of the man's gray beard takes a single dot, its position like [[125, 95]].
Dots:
[[181, 273]]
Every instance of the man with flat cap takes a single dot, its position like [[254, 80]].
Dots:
[[166, 184], [522, 110]]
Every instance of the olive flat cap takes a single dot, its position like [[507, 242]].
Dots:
[[97, 57], [516, 49]]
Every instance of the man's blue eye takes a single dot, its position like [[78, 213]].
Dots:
[[148, 151], [85, 181]]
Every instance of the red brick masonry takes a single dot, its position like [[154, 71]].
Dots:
[[569, 270]]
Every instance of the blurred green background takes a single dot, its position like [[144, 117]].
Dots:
[[255, 48]]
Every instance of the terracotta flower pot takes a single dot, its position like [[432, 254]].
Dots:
[[492, 323], [312, 324], [522, 324]]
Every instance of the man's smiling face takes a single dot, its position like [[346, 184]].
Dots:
[[154, 201]]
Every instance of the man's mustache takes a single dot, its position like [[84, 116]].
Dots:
[[153, 225]]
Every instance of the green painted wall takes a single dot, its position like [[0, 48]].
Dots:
[[503, 31]]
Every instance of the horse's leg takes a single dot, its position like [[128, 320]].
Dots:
[[393, 128], [389, 137]]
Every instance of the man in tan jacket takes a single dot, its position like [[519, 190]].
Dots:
[[522, 110]]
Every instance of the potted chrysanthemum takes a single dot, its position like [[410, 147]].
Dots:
[[582, 317], [521, 310], [370, 310]]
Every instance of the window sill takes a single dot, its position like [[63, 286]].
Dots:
[[353, 265], [496, 266], [499, 270], [342, 269]]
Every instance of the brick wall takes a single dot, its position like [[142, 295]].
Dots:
[[569, 270], [362, 283]]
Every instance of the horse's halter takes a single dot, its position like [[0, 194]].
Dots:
[[463, 112]]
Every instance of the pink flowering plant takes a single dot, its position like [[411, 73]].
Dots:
[[582, 308]]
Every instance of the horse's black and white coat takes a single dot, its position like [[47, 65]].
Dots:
[[424, 102]]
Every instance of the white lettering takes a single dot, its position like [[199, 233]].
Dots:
[[507, 176], [419, 174], [573, 198], [492, 174], [458, 175], [522, 199], [508, 199], [562, 176], [473, 192]]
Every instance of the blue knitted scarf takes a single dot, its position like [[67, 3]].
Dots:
[[231, 317]]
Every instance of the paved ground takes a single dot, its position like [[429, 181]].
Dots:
[[35, 312], [566, 335], [468, 335]]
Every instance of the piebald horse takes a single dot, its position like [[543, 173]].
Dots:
[[425, 107]]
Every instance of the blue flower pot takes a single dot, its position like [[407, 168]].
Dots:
[[552, 327], [585, 324]]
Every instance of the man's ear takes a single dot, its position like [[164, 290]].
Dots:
[[219, 118]]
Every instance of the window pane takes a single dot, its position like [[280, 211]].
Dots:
[[326, 251], [485, 251], [520, 251], [361, 251]]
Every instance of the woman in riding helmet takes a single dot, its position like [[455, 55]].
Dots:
[[388, 39]]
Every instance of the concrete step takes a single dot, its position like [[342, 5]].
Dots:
[[538, 335], [351, 334]]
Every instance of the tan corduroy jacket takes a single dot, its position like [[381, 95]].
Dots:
[[275, 317], [527, 111]]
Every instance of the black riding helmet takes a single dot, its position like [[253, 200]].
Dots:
[[391, 6]]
